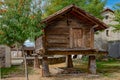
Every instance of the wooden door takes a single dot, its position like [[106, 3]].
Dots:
[[76, 38]]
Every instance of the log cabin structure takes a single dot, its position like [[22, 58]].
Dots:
[[69, 31]]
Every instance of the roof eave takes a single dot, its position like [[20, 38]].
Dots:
[[101, 26]]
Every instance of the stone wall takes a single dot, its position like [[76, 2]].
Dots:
[[103, 37], [5, 58], [2, 56]]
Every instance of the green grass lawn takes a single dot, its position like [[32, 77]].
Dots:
[[13, 71], [6, 72], [105, 68]]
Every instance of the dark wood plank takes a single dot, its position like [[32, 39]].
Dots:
[[58, 31], [57, 45], [57, 36], [39, 45], [74, 52], [69, 63], [76, 37], [92, 38], [45, 67], [55, 41]]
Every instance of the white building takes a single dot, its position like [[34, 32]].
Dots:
[[109, 33], [103, 38]]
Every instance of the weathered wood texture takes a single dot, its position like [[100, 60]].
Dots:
[[76, 38], [81, 14], [39, 45], [68, 32], [73, 51], [69, 28], [92, 64], [45, 67], [69, 63], [57, 36], [36, 62]]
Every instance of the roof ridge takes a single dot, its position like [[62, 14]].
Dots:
[[78, 10]]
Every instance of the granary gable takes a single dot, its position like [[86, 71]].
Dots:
[[82, 15]]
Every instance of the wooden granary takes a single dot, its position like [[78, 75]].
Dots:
[[69, 31]]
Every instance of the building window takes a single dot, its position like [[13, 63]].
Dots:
[[106, 17], [107, 32]]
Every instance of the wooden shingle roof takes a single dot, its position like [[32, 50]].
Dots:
[[81, 14]]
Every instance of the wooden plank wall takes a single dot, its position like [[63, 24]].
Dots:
[[57, 36], [58, 33]]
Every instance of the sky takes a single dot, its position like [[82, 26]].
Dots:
[[110, 3]]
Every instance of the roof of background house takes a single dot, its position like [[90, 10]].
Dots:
[[107, 9]]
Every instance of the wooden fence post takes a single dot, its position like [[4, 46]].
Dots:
[[36, 62]]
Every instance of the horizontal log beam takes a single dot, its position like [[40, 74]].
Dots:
[[74, 52]]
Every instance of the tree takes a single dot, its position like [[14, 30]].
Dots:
[[95, 7], [117, 16], [20, 21]]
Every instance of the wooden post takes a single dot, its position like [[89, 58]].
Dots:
[[92, 64], [69, 63], [36, 62], [25, 64], [45, 67]]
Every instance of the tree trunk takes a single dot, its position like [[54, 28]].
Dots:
[[69, 62], [45, 67], [92, 64], [36, 62]]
